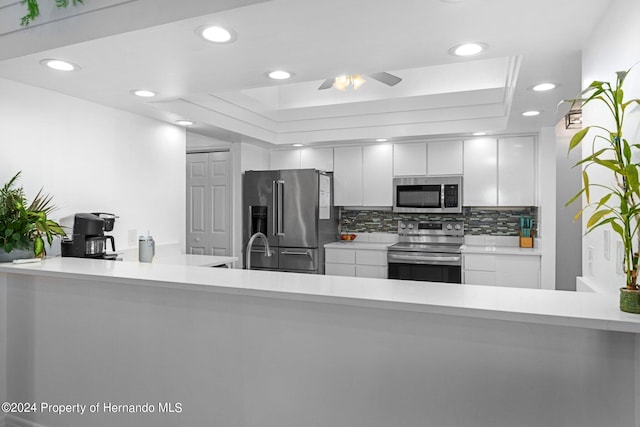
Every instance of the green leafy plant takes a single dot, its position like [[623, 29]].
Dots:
[[33, 9], [619, 207], [24, 225]]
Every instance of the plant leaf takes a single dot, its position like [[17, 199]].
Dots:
[[578, 137], [585, 180], [597, 216]]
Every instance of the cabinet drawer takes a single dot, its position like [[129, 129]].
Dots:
[[340, 269], [339, 256], [480, 262], [371, 257], [371, 271], [480, 278]]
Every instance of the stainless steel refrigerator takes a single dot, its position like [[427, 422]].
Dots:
[[294, 209]]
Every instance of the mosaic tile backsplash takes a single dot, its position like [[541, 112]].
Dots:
[[477, 221]]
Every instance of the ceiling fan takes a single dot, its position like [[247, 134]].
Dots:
[[356, 80]]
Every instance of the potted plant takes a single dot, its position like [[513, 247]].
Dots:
[[619, 203], [23, 226]]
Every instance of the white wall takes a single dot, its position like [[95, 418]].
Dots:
[[568, 243], [92, 158], [613, 46], [547, 206]]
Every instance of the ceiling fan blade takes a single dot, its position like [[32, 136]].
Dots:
[[326, 84], [386, 78]]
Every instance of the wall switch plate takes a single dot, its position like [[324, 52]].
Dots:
[[132, 237], [490, 240], [607, 244], [590, 259]]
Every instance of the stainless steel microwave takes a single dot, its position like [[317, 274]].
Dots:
[[427, 194]]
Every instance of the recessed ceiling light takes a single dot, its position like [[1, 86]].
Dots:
[[381, 140], [298, 145], [542, 87], [59, 65], [279, 75], [479, 133], [216, 34], [468, 49], [531, 113], [185, 122], [143, 93]]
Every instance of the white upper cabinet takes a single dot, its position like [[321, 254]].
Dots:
[[306, 158], [347, 176], [410, 159], [284, 159], [363, 176], [317, 158], [500, 172], [480, 181], [377, 175], [444, 158], [516, 171]]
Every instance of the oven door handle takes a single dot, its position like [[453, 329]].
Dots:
[[425, 259]]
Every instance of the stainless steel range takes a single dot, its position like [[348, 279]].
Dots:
[[428, 251]]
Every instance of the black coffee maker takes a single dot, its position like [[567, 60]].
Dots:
[[88, 239]]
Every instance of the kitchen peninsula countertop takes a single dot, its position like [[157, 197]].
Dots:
[[195, 260], [585, 310]]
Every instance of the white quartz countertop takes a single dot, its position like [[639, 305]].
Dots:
[[500, 250], [195, 260], [577, 309]]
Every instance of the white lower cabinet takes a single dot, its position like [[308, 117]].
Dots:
[[356, 262], [515, 271]]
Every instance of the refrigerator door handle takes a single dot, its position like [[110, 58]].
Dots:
[[274, 205], [303, 253], [280, 201]]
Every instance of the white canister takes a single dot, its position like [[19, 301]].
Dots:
[[146, 249]]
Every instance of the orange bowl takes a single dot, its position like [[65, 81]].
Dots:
[[347, 236]]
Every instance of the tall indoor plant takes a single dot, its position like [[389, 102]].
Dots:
[[23, 225], [619, 206]]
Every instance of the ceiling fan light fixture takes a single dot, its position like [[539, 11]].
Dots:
[[357, 81], [342, 82], [531, 113]]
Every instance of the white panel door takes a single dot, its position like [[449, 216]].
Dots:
[[208, 203], [444, 158], [516, 171], [347, 176], [410, 159], [480, 181], [284, 159], [317, 158], [378, 175]]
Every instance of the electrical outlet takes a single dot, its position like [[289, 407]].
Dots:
[[132, 237], [590, 259], [607, 244]]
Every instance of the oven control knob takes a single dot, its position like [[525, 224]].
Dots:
[[410, 226], [403, 225], [458, 227], [449, 227]]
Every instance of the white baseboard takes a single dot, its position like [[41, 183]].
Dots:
[[13, 421]]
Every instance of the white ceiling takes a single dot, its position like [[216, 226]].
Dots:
[[126, 45]]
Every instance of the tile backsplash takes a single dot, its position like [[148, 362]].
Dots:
[[477, 220]]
